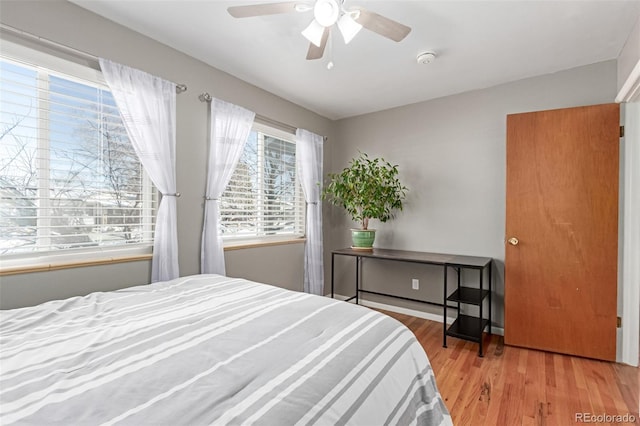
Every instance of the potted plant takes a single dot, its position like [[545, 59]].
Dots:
[[367, 189]]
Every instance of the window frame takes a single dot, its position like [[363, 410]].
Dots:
[[47, 63], [234, 241]]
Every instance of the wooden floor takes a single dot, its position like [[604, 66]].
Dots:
[[514, 386]]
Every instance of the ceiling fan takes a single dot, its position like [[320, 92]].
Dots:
[[327, 13]]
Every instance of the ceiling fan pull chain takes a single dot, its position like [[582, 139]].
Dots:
[[330, 41]]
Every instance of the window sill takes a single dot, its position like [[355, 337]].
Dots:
[[247, 244], [54, 266], [67, 265]]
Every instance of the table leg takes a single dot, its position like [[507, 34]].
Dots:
[[333, 255], [481, 316], [490, 291], [459, 271], [444, 307], [357, 278]]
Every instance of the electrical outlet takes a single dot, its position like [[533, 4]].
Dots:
[[415, 284]]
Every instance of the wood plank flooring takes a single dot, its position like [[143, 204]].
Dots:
[[515, 386]]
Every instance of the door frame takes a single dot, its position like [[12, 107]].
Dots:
[[630, 244]]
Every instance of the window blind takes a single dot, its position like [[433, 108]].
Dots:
[[264, 197], [69, 177]]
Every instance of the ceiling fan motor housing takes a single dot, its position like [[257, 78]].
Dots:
[[326, 12]]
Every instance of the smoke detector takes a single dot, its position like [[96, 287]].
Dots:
[[426, 57]]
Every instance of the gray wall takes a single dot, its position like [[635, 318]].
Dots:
[[73, 26], [254, 264], [451, 155]]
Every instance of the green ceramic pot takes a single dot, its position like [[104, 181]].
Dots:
[[363, 238]]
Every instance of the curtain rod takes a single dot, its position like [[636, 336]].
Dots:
[[206, 97], [63, 48]]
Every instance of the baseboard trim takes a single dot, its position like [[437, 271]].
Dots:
[[412, 312]]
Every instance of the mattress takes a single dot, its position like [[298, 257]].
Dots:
[[208, 349]]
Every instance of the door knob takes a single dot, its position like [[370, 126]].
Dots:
[[513, 241]]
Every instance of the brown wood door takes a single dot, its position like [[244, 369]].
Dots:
[[562, 206]]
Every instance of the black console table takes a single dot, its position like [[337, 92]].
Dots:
[[465, 326]]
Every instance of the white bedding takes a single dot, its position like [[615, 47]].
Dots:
[[208, 349]]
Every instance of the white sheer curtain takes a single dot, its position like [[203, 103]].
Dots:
[[230, 128], [309, 164], [147, 105]]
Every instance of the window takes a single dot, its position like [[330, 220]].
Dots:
[[69, 177], [264, 197]]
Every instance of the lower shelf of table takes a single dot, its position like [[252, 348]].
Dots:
[[468, 328]]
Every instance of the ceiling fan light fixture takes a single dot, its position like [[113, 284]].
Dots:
[[314, 32], [348, 27], [326, 12]]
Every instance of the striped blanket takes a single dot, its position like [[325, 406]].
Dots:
[[208, 349]]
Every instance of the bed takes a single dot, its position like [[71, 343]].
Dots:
[[209, 349]]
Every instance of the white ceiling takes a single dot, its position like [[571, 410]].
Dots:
[[479, 44]]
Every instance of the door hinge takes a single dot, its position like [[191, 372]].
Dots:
[[622, 131], [618, 322]]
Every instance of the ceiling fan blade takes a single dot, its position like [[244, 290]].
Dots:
[[316, 52], [262, 9], [384, 26]]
